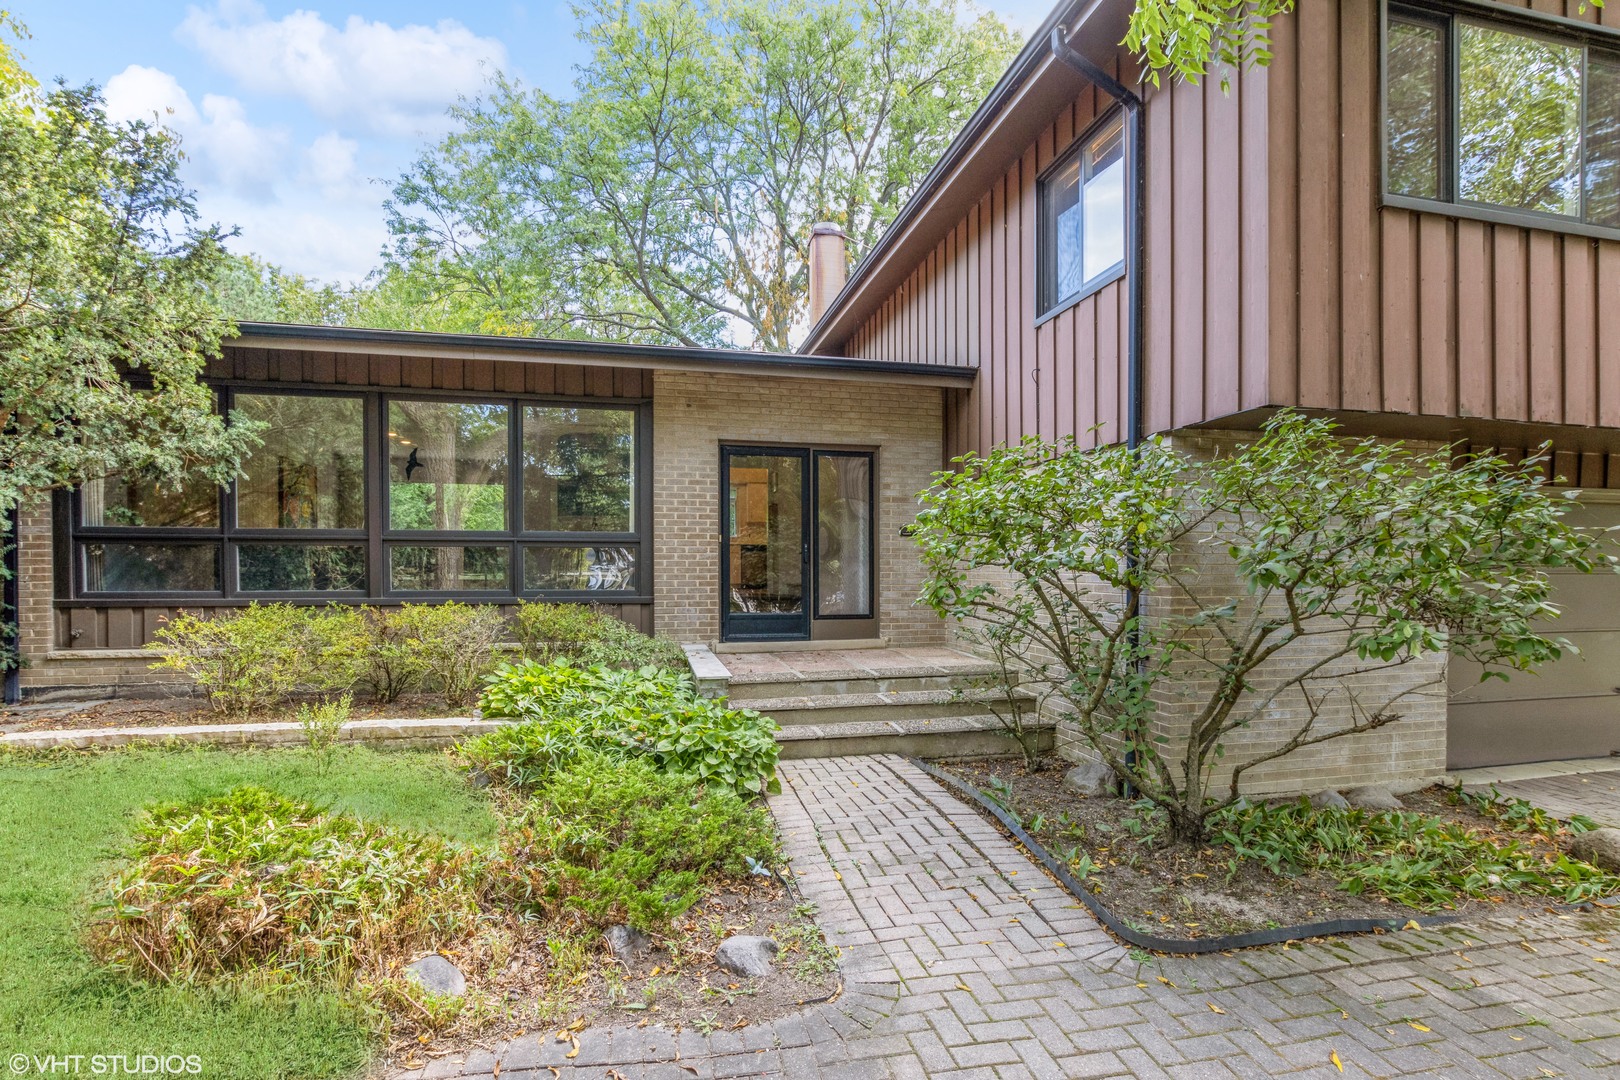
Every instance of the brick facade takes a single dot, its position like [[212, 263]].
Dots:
[[694, 413]]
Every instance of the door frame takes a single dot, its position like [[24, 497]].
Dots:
[[791, 629]]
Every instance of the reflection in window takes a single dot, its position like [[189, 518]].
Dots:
[[580, 569], [1083, 217], [1519, 136], [844, 534], [578, 469], [1603, 139], [134, 567], [309, 471], [447, 568], [301, 567], [447, 466], [1416, 75], [115, 501]]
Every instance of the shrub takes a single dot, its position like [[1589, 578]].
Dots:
[[621, 714], [255, 657], [255, 882], [455, 644], [622, 841], [587, 635], [322, 725], [390, 665]]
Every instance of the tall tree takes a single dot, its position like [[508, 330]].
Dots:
[[106, 313], [670, 200]]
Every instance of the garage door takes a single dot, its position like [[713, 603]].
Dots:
[[1570, 709]]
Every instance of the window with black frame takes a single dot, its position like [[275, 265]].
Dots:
[[1081, 246], [1503, 120], [502, 497]]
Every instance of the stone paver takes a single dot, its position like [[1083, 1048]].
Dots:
[[963, 960]]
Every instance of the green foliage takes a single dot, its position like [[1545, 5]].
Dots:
[[389, 663], [625, 841], [1521, 815], [1333, 559], [253, 881], [670, 196], [253, 658], [586, 635], [1189, 37], [103, 275], [454, 642], [322, 725], [1411, 858], [64, 812], [567, 711], [252, 290]]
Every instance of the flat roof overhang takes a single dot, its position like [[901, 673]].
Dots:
[[346, 339]]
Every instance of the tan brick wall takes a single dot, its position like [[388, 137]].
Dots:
[[694, 413]]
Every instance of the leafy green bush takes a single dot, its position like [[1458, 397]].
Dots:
[[622, 841], [623, 714], [390, 665], [252, 881], [255, 657], [587, 635], [454, 643], [1411, 858]]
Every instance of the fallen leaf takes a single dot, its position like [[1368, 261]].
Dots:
[[1214, 1008], [1517, 1038], [653, 974], [574, 1053], [1600, 959], [1141, 986], [1411, 924], [1415, 1026], [554, 1070], [1164, 980], [1343, 1015], [1334, 1057], [577, 1025], [1526, 946], [495, 1070], [837, 876], [690, 1068], [960, 985]]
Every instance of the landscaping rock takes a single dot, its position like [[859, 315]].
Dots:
[[1094, 778], [1374, 797], [437, 976], [1600, 847], [746, 955], [627, 942], [1329, 800]]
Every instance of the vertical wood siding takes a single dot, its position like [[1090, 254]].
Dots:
[[1381, 309], [1206, 281]]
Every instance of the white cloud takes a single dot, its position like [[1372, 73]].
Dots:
[[365, 76], [226, 148]]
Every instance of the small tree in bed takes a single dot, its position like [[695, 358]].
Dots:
[[1328, 566]]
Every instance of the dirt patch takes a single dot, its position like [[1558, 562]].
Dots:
[[1184, 893], [187, 710], [556, 980]]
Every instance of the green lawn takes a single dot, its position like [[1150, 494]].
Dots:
[[63, 817]]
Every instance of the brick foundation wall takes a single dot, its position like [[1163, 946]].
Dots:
[[694, 413]]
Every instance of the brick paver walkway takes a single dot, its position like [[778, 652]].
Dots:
[[1595, 794], [963, 959]]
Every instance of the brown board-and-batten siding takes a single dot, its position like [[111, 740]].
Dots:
[[94, 624], [1376, 308], [972, 300]]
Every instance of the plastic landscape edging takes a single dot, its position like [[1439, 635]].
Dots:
[[1191, 946]]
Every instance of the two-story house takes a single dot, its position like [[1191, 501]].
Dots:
[[1409, 220]]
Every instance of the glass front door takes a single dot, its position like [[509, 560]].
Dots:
[[798, 551], [767, 550]]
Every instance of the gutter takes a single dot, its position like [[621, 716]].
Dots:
[[351, 339]]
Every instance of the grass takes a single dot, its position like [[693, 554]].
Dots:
[[65, 816]]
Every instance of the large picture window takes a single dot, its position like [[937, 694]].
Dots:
[[1081, 245], [1499, 120], [373, 495]]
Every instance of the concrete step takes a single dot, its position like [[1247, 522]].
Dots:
[[944, 737], [824, 710], [747, 689]]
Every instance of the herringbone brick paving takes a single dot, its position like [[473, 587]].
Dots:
[[963, 960]]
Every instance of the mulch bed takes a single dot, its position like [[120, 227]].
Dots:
[[1183, 892], [558, 981], [186, 710]]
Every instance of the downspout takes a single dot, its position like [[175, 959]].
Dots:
[[1135, 261]]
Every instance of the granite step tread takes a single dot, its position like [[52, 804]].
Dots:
[[948, 725], [899, 698]]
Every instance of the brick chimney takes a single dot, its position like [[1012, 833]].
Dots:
[[829, 266]]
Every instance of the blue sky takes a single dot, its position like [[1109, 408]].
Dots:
[[294, 117]]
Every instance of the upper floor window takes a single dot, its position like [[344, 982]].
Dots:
[[1081, 246], [1501, 119]]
